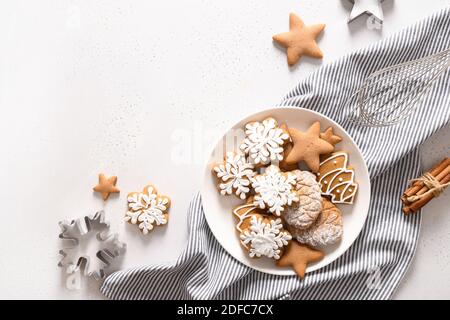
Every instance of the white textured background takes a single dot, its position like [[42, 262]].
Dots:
[[139, 89]]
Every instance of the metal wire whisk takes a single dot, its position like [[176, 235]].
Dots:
[[390, 95]]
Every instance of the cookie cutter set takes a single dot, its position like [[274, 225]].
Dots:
[[74, 255]]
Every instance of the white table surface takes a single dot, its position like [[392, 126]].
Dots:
[[140, 89]]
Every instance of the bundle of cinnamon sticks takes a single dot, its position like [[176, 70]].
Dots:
[[419, 194]]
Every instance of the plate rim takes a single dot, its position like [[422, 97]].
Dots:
[[207, 170]]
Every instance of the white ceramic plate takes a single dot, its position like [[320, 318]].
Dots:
[[218, 208]]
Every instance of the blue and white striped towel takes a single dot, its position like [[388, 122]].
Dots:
[[375, 264]]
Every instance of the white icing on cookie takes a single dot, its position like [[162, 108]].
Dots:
[[274, 190], [250, 208], [306, 211], [265, 239], [235, 173], [264, 141], [147, 208], [334, 174]]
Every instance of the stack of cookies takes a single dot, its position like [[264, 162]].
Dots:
[[290, 183]]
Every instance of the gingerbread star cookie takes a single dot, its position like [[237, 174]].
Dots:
[[329, 136], [300, 40], [308, 146], [287, 148], [106, 186], [299, 256]]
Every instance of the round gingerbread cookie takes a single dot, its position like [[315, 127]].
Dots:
[[302, 214], [327, 229]]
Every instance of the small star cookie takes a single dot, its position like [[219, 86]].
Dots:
[[329, 136], [300, 40], [299, 256], [308, 146], [106, 186], [147, 208]]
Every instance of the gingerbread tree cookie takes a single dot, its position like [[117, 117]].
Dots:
[[261, 235], [147, 209], [235, 175], [264, 141], [337, 180], [274, 190], [307, 147]]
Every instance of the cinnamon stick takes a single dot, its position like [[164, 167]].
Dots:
[[418, 185], [417, 205], [439, 177]]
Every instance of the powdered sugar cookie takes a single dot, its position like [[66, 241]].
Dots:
[[274, 190], [326, 230], [264, 141], [235, 175], [337, 180], [261, 235], [147, 209], [302, 214]]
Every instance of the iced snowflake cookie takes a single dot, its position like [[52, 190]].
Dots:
[[337, 180], [264, 141], [234, 175], [147, 209], [274, 190], [326, 230], [260, 234], [303, 213]]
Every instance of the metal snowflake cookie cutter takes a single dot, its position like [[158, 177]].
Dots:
[[76, 235]]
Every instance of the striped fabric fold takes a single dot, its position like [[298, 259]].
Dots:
[[375, 264]]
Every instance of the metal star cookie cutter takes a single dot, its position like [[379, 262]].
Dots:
[[74, 257]]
